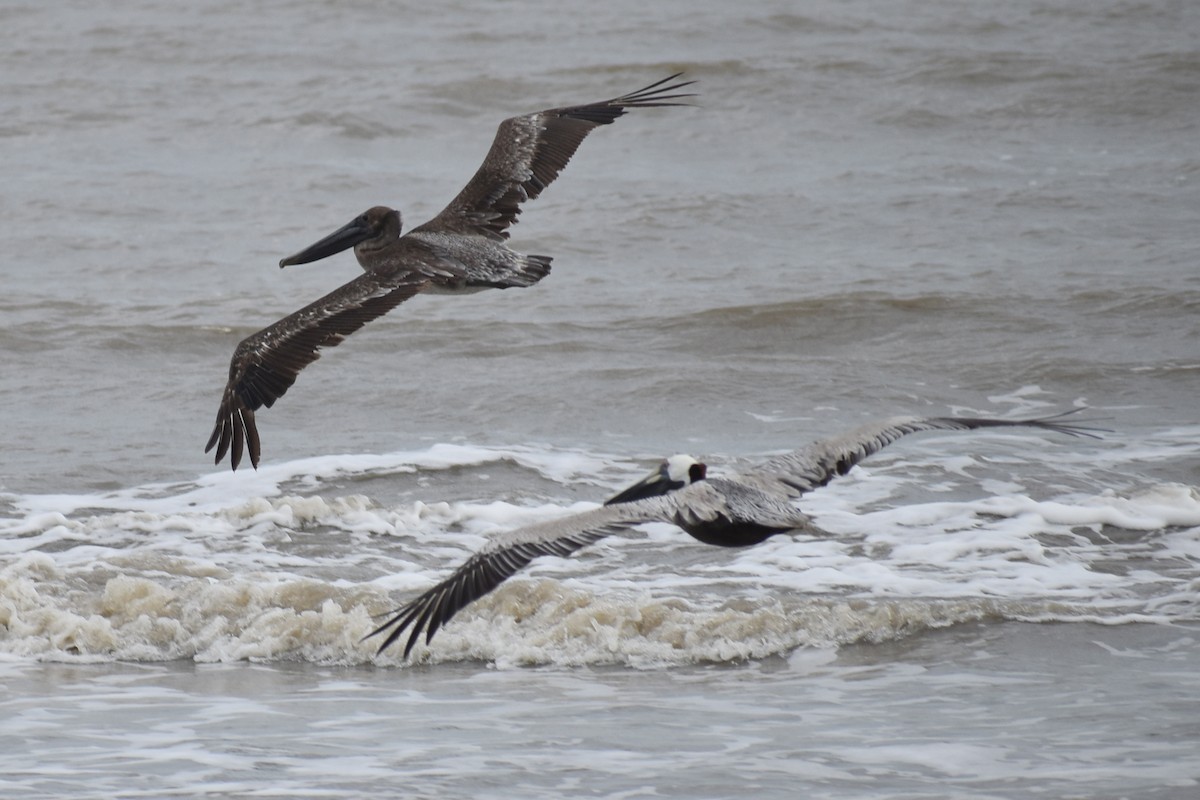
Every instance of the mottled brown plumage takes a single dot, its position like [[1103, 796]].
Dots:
[[462, 249]]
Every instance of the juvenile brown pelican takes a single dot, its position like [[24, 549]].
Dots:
[[462, 249], [734, 511]]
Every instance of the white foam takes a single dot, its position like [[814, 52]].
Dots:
[[225, 569]]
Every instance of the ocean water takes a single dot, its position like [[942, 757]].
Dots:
[[872, 209]]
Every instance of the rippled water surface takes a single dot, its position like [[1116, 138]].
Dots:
[[873, 208]]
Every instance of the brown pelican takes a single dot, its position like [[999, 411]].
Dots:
[[734, 511], [462, 249]]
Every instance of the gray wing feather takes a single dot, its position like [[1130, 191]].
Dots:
[[507, 554], [803, 470]]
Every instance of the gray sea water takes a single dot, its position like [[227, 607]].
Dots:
[[872, 209]]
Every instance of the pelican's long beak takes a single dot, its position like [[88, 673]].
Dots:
[[343, 238], [655, 484]]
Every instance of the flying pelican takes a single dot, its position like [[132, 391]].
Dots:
[[734, 511], [462, 249]]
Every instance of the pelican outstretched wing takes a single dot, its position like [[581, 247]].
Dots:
[[528, 153], [810, 467], [504, 556], [265, 364]]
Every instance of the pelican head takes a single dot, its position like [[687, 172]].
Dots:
[[371, 230], [673, 473]]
